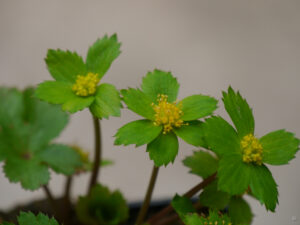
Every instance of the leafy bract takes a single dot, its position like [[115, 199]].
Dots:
[[65, 65], [214, 198], [160, 82], [233, 175], [264, 187], [25, 138], [279, 147], [138, 132], [107, 102], [239, 211], [138, 102], [213, 218], [102, 207], [239, 112], [182, 205], [201, 163], [61, 158], [102, 53], [197, 106], [192, 133], [221, 136], [28, 218], [163, 149], [61, 93]]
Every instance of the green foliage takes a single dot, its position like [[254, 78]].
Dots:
[[239, 211], [102, 207], [131, 133], [107, 102], [279, 147], [102, 53], [197, 106], [163, 149], [239, 112], [138, 102], [214, 198], [192, 133], [201, 163], [160, 82], [162, 145], [28, 218], [65, 67], [26, 132], [182, 206], [212, 218]]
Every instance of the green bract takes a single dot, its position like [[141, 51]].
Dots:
[[165, 118], [28, 218], [102, 207], [27, 127], [75, 86], [242, 154]]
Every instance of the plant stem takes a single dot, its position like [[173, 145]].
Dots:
[[67, 200], [148, 196], [51, 200], [188, 194], [97, 156]]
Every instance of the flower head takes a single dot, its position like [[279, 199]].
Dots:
[[165, 117], [76, 82], [243, 155]]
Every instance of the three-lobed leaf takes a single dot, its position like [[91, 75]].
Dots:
[[28, 218]]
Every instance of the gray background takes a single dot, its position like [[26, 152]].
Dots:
[[208, 45]]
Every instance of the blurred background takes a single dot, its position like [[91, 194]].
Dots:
[[208, 45]]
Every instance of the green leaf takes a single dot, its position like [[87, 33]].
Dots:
[[102, 53], [197, 106], [138, 102], [233, 175], [239, 211], [213, 198], [213, 218], [202, 164], [61, 158], [182, 205], [160, 82], [28, 218], [239, 111], [131, 133], [30, 172], [6, 223], [107, 102], [65, 65], [264, 187], [102, 207], [279, 147], [38, 115], [61, 93], [221, 137], [163, 149], [192, 133]]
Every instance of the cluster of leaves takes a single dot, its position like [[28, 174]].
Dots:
[[27, 127], [102, 207], [163, 148], [187, 213], [234, 176], [30, 219], [66, 66]]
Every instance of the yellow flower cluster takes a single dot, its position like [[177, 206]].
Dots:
[[167, 114], [86, 85], [252, 149], [217, 223]]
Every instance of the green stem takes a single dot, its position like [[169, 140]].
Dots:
[[67, 199], [51, 201], [97, 156], [157, 217], [148, 196]]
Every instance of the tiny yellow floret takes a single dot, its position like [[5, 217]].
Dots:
[[86, 85], [252, 149], [167, 114]]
